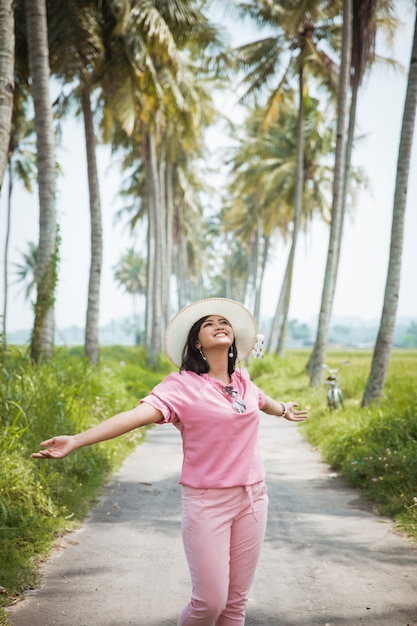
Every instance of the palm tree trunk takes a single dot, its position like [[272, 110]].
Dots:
[[253, 267], [274, 336], [156, 207], [150, 239], [6, 255], [37, 33], [383, 346], [285, 297], [284, 325], [349, 146], [315, 365], [6, 80], [348, 159], [180, 273], [91, 344], [185, 285], [259, 282], [167, 211], [168, 237], [149, 284]]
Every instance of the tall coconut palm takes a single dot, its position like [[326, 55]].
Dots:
[[381, 356], [192, 235], [187, 232], [366, 18], [132, 95], [91, 343], [294, 54], [181, 111], [109, 50], [6, 80], [329, 286], [318, 146], [257, 180], [43, 330], [158, 70], [77, 53], [263, 176], [74, 49]]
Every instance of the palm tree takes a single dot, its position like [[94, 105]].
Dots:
[[315, 365], [118, 51], [27, 271], [77, 53], [188, 232], [154, 115], [6, 80], [366, 18], [192, 235], [263, 178], [130, 273], [136, 83], [141, 41], [258, 177], [43, 330], [178, 124], [91, 343], [318, 146], [381, 356], [22, 163], [300, 31]]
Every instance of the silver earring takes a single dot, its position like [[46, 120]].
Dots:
[[231, 352], [202, 355]]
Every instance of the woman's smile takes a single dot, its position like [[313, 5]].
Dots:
[[215, 327]]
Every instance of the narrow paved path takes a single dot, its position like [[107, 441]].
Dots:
[[327, 558]]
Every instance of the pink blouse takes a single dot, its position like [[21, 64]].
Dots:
[[220, 445]]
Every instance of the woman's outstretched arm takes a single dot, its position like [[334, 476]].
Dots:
[[61, 446], [284, 409]]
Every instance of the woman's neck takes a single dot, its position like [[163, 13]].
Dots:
[[218, 369]]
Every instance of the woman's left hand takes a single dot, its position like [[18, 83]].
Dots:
[[292, 415]]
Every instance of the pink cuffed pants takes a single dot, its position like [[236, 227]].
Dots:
[[223, 531]]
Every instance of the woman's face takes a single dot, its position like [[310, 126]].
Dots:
[[215, 331]]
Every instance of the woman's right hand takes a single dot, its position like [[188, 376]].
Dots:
[[57, 448]]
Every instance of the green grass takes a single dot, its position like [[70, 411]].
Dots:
[[41, 500], [375, 448]]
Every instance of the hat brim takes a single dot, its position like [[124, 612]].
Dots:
[[241, 320]]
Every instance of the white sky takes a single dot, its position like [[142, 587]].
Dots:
[[364, 256]]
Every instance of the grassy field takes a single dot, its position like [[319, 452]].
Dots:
[[374, 448]]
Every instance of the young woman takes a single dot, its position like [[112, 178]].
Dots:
[[217, 410]]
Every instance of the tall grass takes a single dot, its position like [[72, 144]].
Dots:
[[374, 448], [39, 500]]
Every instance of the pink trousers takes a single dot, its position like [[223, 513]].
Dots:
[[223, 531]]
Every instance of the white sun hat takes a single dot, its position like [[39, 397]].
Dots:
[[241, 320]]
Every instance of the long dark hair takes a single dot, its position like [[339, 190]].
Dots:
[[192, 360]]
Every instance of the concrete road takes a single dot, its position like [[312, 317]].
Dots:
[[327, 558]]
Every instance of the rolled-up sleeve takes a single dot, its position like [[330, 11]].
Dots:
[[261, 396], [169, 415], [168, 397]]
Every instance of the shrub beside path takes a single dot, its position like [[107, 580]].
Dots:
[[327, 558]]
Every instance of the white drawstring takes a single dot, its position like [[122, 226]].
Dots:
[[248, 489]]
